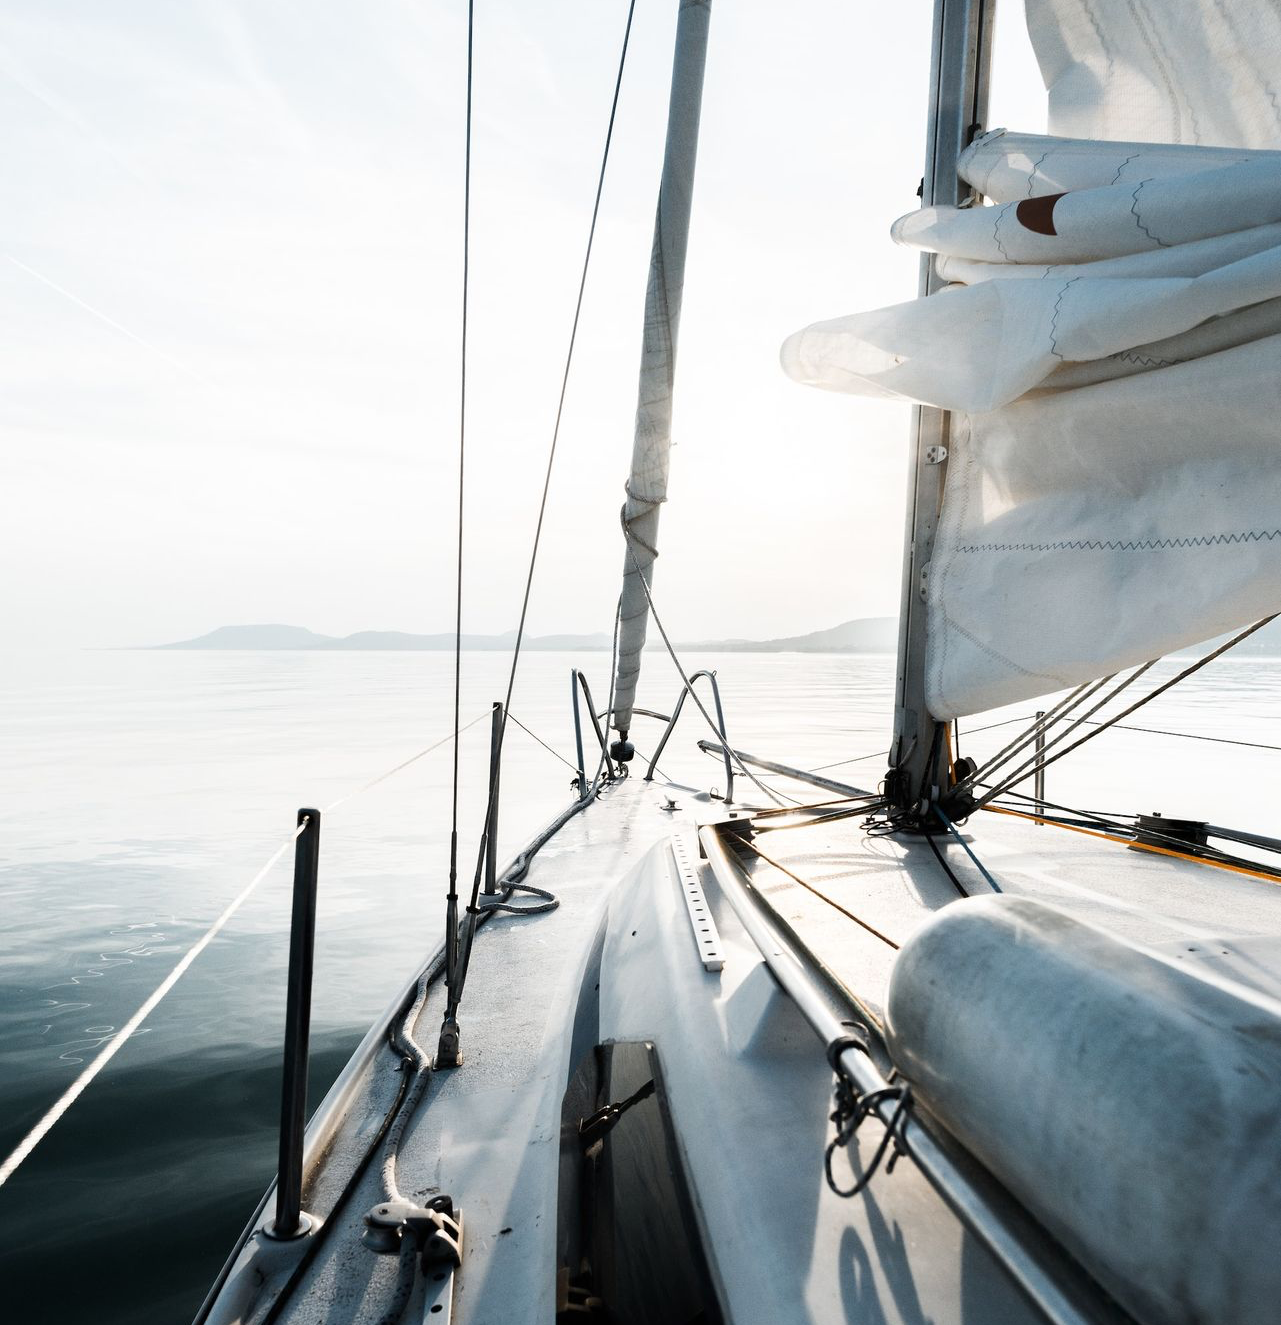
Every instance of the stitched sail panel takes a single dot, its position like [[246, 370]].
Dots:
[[1110, 349]]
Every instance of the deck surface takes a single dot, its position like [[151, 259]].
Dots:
[[1221, 921]]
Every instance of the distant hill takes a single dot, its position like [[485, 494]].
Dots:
[[869, 635], [878, 634], [254, 637], [865, 635], [1265, 643]]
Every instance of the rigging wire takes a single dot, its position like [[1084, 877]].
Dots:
[[457, 970], [560, 411], [1038, 759], [1125, 713], [451, 922], [778, 797], [1042, 724]]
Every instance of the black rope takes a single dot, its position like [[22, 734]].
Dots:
[[969, 851], [822, 896], [852, 1110], [947, 869], [1091, 819]]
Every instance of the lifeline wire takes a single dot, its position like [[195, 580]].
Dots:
[[452, 900], [1125, 713], [778, 797], [117, 1041], [568, 764], [551, 454], [973, 731]]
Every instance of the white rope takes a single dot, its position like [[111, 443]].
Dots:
[[117, 1041]]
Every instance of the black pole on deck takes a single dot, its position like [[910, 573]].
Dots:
[[291, 1221], [491, 820]]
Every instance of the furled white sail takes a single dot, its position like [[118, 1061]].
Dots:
[[1111, 349], [651, 448]]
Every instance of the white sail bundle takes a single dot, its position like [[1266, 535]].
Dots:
[[1111, 350]]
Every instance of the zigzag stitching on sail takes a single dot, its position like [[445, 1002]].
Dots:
[[1128, 545]]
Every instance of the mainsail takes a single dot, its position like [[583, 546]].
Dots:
[[1110, 347]]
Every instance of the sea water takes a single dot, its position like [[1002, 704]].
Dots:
[[141, 791]]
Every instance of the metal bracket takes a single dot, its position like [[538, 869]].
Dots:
[[935, 455], [700, 917]]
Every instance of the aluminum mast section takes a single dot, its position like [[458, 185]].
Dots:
[[959, 69], [647, 484]]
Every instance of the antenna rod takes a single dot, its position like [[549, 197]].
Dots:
[[962, 52], [647, 484]]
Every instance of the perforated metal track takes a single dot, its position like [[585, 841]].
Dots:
[[706, 935]]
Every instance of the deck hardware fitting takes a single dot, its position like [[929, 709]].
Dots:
[[706, 936], [725, 748], [593, 1129], [447, 1052], [935, 455], [436, 1227]]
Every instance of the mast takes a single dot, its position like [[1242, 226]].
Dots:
[[959, 69], [647, 484]]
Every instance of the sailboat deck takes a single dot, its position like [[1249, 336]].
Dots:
[[1225, 922], [619, 961]]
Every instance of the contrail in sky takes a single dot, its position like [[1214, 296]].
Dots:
[[110, 321]]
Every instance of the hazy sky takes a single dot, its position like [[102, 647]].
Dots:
[[229, 261]]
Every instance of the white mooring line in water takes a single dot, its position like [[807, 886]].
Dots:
[[117, 1042]]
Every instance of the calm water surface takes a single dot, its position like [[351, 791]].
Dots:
[[139, 792]]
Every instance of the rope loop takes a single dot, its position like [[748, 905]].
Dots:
[[852, 1110]]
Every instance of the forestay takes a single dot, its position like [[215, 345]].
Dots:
[[1110, 346]]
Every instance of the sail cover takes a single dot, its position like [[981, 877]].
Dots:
[[1110, 347]]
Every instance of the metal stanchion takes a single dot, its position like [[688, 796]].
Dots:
[[291, 1220], [491, 819]]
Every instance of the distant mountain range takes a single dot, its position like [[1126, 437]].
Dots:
[[865, 635], [868, 635]]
